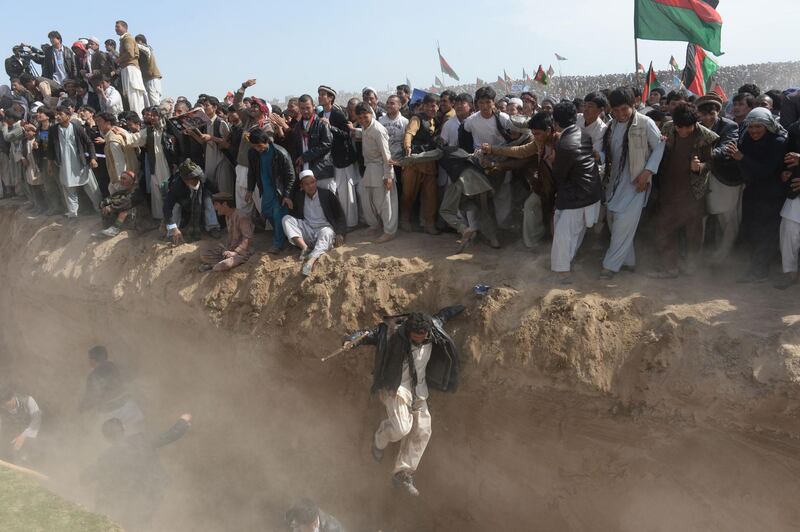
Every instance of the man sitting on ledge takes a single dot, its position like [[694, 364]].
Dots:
[[316, 220], [240, 226]]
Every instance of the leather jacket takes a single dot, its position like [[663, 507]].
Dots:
[[393, 348], [574, 171], [725, 168], [283, 176], [343, 151], [320, 141]]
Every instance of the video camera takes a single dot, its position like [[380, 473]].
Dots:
[[20, 61]]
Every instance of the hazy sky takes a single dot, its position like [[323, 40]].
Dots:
[[292, 47]]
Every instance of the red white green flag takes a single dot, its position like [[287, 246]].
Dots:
[[541, 76], [698, 71], [719, 92], [446, 68], [694, 21], [650, 83]]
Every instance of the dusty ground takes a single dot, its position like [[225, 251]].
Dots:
[[631, 405]]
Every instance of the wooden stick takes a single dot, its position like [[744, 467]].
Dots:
[[24, 470]]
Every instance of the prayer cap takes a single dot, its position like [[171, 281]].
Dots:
[[327, 89], [305, 173]]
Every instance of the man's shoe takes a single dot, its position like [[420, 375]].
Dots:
[[385, 237], [110, 232], [274, 250], [787, 280], [377, 454], [404, 480], [606, 274]]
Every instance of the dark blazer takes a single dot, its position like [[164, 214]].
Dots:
[[330, 206], [179, 193], [724, 167], [86, 151], [343, 151], [575, 171], [790, 110], [283, 176], [49, 62], [392, 348], [320, 141]]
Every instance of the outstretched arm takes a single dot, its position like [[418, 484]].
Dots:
[[448, 313], [176, 432]]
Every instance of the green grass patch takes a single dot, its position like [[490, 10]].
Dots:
[[26, 506]]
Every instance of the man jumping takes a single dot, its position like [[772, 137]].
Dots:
[[413, 352]]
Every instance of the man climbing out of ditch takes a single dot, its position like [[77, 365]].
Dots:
[[413, 352], [130, 481], [20, 420]]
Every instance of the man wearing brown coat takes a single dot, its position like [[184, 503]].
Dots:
[[133, 89]]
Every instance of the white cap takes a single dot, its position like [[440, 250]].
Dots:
[[35, 106], [305, 173], [94, 40], [516, 101]]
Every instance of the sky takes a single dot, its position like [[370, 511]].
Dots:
[[292, 47]]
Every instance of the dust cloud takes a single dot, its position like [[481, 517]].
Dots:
[[611, 408]]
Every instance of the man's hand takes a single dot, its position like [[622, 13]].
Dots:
[[696, 165], [278, 120], [792, 159], [486, 148], [205, 137], [388, 183], [407, 150], [795, 184], [299, 162], [347, 346], [325, 121], [642, 181], [93, 163], [288, 203], [35, 145], [248, 83], [19, 441], [350, 126], [338, 241], [106, 210], [248, 197], [119, 131], [187, 418], [732, 149], [177, 237], [99, 140], [228, 254]]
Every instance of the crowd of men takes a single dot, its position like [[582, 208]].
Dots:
[[93, 132]]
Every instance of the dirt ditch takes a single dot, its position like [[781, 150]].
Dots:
[[629, 406]]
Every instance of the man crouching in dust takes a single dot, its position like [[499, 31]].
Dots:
[[413, 352]]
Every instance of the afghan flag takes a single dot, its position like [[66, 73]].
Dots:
[[550, 71], [560, 58], [541, 76], [698, 71], [695, 21], [650, 83], [446, 68], [719, 92], [673, 63]]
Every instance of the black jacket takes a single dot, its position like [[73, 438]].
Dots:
[[330, 206], [178, 193], [575, 172], [790, 110], [85, 144], [48, 63], [320, 141], [793, 145], [283, 176], [343, 151], [393, 348], [724, 167], [762, 166]]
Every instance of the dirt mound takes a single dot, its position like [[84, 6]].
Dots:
[[605, 406]]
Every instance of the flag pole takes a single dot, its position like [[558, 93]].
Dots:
[[441, 67], [636, 53]]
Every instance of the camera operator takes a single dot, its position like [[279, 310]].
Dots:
[[20, 62]]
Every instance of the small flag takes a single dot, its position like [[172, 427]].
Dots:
[[700, 67], [560, 58], [673, 63], [438, 82], [721, 93], [524, 74], [639, 68], [446, 68], [479, 82], [550, 71], [505, 75], [650, 83], [541, 76], [408, 82]]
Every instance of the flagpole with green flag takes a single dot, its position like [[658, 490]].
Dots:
[[439, 53]]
